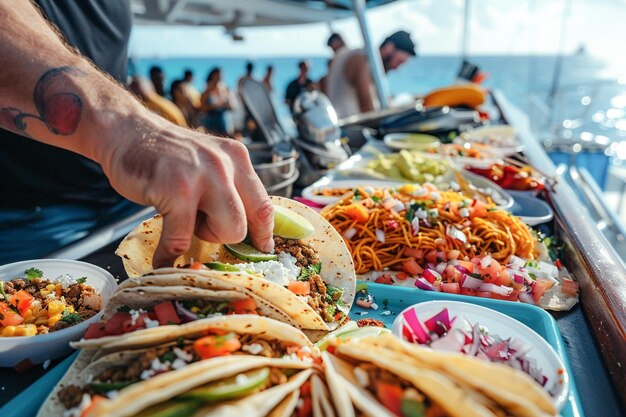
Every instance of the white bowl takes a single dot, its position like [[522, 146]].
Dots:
[[506, 327], [53, 345]]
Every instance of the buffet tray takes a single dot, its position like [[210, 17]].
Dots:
[[397, 299]]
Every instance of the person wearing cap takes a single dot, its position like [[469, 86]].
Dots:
[[349, 84]]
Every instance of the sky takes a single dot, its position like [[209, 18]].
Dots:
[[497, 27]]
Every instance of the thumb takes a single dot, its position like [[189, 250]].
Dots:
[[178, 227]]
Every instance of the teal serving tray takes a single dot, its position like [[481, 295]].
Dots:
[[396, 299]]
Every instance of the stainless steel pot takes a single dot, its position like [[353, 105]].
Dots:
[[276, 167]]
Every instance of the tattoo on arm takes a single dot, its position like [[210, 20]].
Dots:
[[58, 109]]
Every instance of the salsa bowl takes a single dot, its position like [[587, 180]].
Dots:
[[42, 347]]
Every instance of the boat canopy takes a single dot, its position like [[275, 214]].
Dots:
[[233, 14]]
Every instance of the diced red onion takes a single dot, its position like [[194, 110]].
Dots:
[[516, 262], [496, 289], [462, 269], [410, 317], [526, 298], [473, 349], [451, 342], [185, 314], [422, 284], [380, 236], [455, 233], [441, 266], [431, 275], [486, 261], [468, 281], [349, 234], [439, 323]]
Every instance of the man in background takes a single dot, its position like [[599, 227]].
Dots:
[[349, 84], [298, 85], [190, 90], [336, 43]]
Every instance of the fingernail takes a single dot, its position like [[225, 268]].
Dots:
[[269, 246]]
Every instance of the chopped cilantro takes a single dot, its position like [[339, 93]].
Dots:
[[70, 317], [123, 309], [533, 276], [357, 195], [361, 286], [168, 357], [376, 199], [386, 303], [306, 272], [493, 209], [32, 273], [4, 295], [477, 276], [81, 280], [532, 264]]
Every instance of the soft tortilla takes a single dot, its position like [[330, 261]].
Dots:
[[137, 250], [240, 323]]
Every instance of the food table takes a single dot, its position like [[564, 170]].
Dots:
[[593, 331]]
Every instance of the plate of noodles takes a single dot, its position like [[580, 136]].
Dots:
[[387, 227]]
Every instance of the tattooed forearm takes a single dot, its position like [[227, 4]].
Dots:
[[58, 109]]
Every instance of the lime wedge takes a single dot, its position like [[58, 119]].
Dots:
[[249, 253], [230, 388], [219, 266], [290, 225]]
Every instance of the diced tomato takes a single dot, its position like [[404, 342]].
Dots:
[[299, 287], [402, 276], [95, 399], [478, 209], [411, 267], [569, 287], [467, 265], [490, 273], [484, 294], [96, 331], [244, 306], [558, 264], [140, 323], [504, 279], [451, 288], [22, 301], [514, 296], [539, 288], [305, 389], [357, 212], [406, 333], [212, 346], [468, 291], [8, 317], [115, 325], [166, 313], [414, 252], [384, 279], [198, 265], [431, 257], [431, 275], [306, 408], [390, 395]]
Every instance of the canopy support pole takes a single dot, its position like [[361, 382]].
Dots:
[[376, 64]]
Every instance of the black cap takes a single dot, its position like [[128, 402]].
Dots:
[[402, 41]]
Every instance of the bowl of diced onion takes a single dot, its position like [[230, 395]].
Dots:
[[35, 336]]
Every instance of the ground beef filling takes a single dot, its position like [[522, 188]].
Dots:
[[304, 253], [71, 395], [370, 322]]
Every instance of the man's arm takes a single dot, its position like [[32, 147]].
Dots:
[[357, 74], [199, 183]]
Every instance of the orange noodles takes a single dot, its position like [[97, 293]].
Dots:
[[437, 226]]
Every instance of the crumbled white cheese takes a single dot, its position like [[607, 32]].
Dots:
[[361, 377], [66, 280], [151, 323], [374, 306], [385, 313], [279, 272], [134, 315], [178, 363], [464, 212], [253, 349], [181, 354]]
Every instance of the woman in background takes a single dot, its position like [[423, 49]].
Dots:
[[267, 79], [215, 104]]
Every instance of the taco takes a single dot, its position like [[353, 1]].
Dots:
[[145, 308], [140, 362], [311, 278], [382, 379]]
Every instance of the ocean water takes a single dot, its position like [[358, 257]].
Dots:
[[523, 79]]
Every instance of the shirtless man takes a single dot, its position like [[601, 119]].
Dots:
[[349, 84]]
